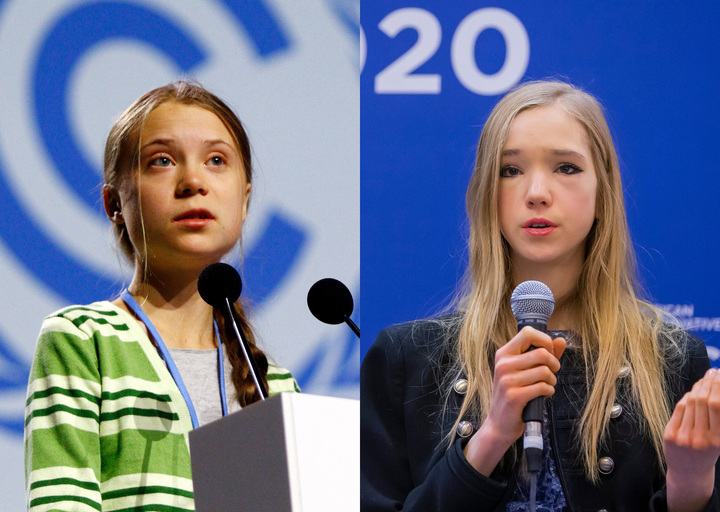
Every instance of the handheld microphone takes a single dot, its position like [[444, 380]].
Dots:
[[220, 286], [532, 303], [331, 302]]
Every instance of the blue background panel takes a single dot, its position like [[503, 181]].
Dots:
[[652, 65]]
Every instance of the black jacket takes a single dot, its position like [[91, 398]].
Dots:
[[405, 463]]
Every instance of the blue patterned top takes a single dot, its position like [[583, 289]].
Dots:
[[550, 496]]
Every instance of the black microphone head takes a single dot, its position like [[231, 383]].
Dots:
[[330, 301], [218, 282], [532, 300]]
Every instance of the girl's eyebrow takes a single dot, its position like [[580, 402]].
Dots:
[[163, 142], [170, 142], [212, 142], [566, 152], [560, 152]]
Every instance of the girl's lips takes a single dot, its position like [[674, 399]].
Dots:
[[536, 221], [532, 227], [194, 222], [539, 231], [194, 218]]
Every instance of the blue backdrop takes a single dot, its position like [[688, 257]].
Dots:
[[70, 67], [652, 65]]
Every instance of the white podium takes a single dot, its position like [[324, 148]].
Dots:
[[291, 453]]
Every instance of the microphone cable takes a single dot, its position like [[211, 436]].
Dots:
[[533, 490]]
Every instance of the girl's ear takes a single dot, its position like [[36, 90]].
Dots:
[[111, 202], [248, 188]]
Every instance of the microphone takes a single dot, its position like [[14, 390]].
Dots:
[[532, 303], [220, 286], [331, 302]]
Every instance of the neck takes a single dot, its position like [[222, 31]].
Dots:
[[174, 306], [560, 278]]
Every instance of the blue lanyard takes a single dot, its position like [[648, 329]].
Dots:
[[165, 353]]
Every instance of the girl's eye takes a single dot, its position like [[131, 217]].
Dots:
[[217, 160], [509, 171], [162, 161], [569, 169]]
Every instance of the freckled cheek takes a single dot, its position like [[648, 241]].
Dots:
[[153, 209], [234, 216]]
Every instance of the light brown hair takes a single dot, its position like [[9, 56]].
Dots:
[[122, 159]]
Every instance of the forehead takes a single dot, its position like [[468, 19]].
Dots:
[[547, 127], [173, 119]]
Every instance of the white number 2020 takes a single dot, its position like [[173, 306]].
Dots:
[[398, 77]]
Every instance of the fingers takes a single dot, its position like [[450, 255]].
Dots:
[[521, 374], [684, 434], [528, 337], [509, 363], [529, 377], [700, 396], [696, 418], [714, 405], [527, 393], [676, 419], [706, 396], [516, 356], [559, 345]]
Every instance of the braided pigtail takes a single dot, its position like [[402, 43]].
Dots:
[[242, 379]]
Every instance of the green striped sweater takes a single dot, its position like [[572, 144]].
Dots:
[[106, 428]]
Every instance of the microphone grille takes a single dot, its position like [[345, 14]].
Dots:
[[532, 299]]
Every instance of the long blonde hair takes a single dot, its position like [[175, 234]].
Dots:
[[615, 326]]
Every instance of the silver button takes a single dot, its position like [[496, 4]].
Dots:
[[606, 465], [624, 372], [616, 411], [465, 429], [460, 386]]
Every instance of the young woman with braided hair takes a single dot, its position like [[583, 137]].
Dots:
[[116, 386]]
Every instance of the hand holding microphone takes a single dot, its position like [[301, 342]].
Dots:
[[521, 375]]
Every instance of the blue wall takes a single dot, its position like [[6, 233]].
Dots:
[[652, 65]]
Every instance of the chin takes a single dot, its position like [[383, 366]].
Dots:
[[548, 257], [196, 257]]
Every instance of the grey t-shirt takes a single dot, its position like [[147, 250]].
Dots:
[[199, 372]]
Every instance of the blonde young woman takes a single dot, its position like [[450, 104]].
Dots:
[[116, 386], [633, 417]]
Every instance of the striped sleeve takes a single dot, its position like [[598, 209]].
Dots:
[[280, 380], [62, 417]]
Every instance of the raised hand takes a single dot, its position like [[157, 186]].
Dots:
[[692, 445]]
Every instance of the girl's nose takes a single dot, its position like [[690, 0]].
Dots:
[[191, 183], [538, 192]]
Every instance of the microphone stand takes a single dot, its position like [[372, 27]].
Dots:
[[245, 346], [352, 325]]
